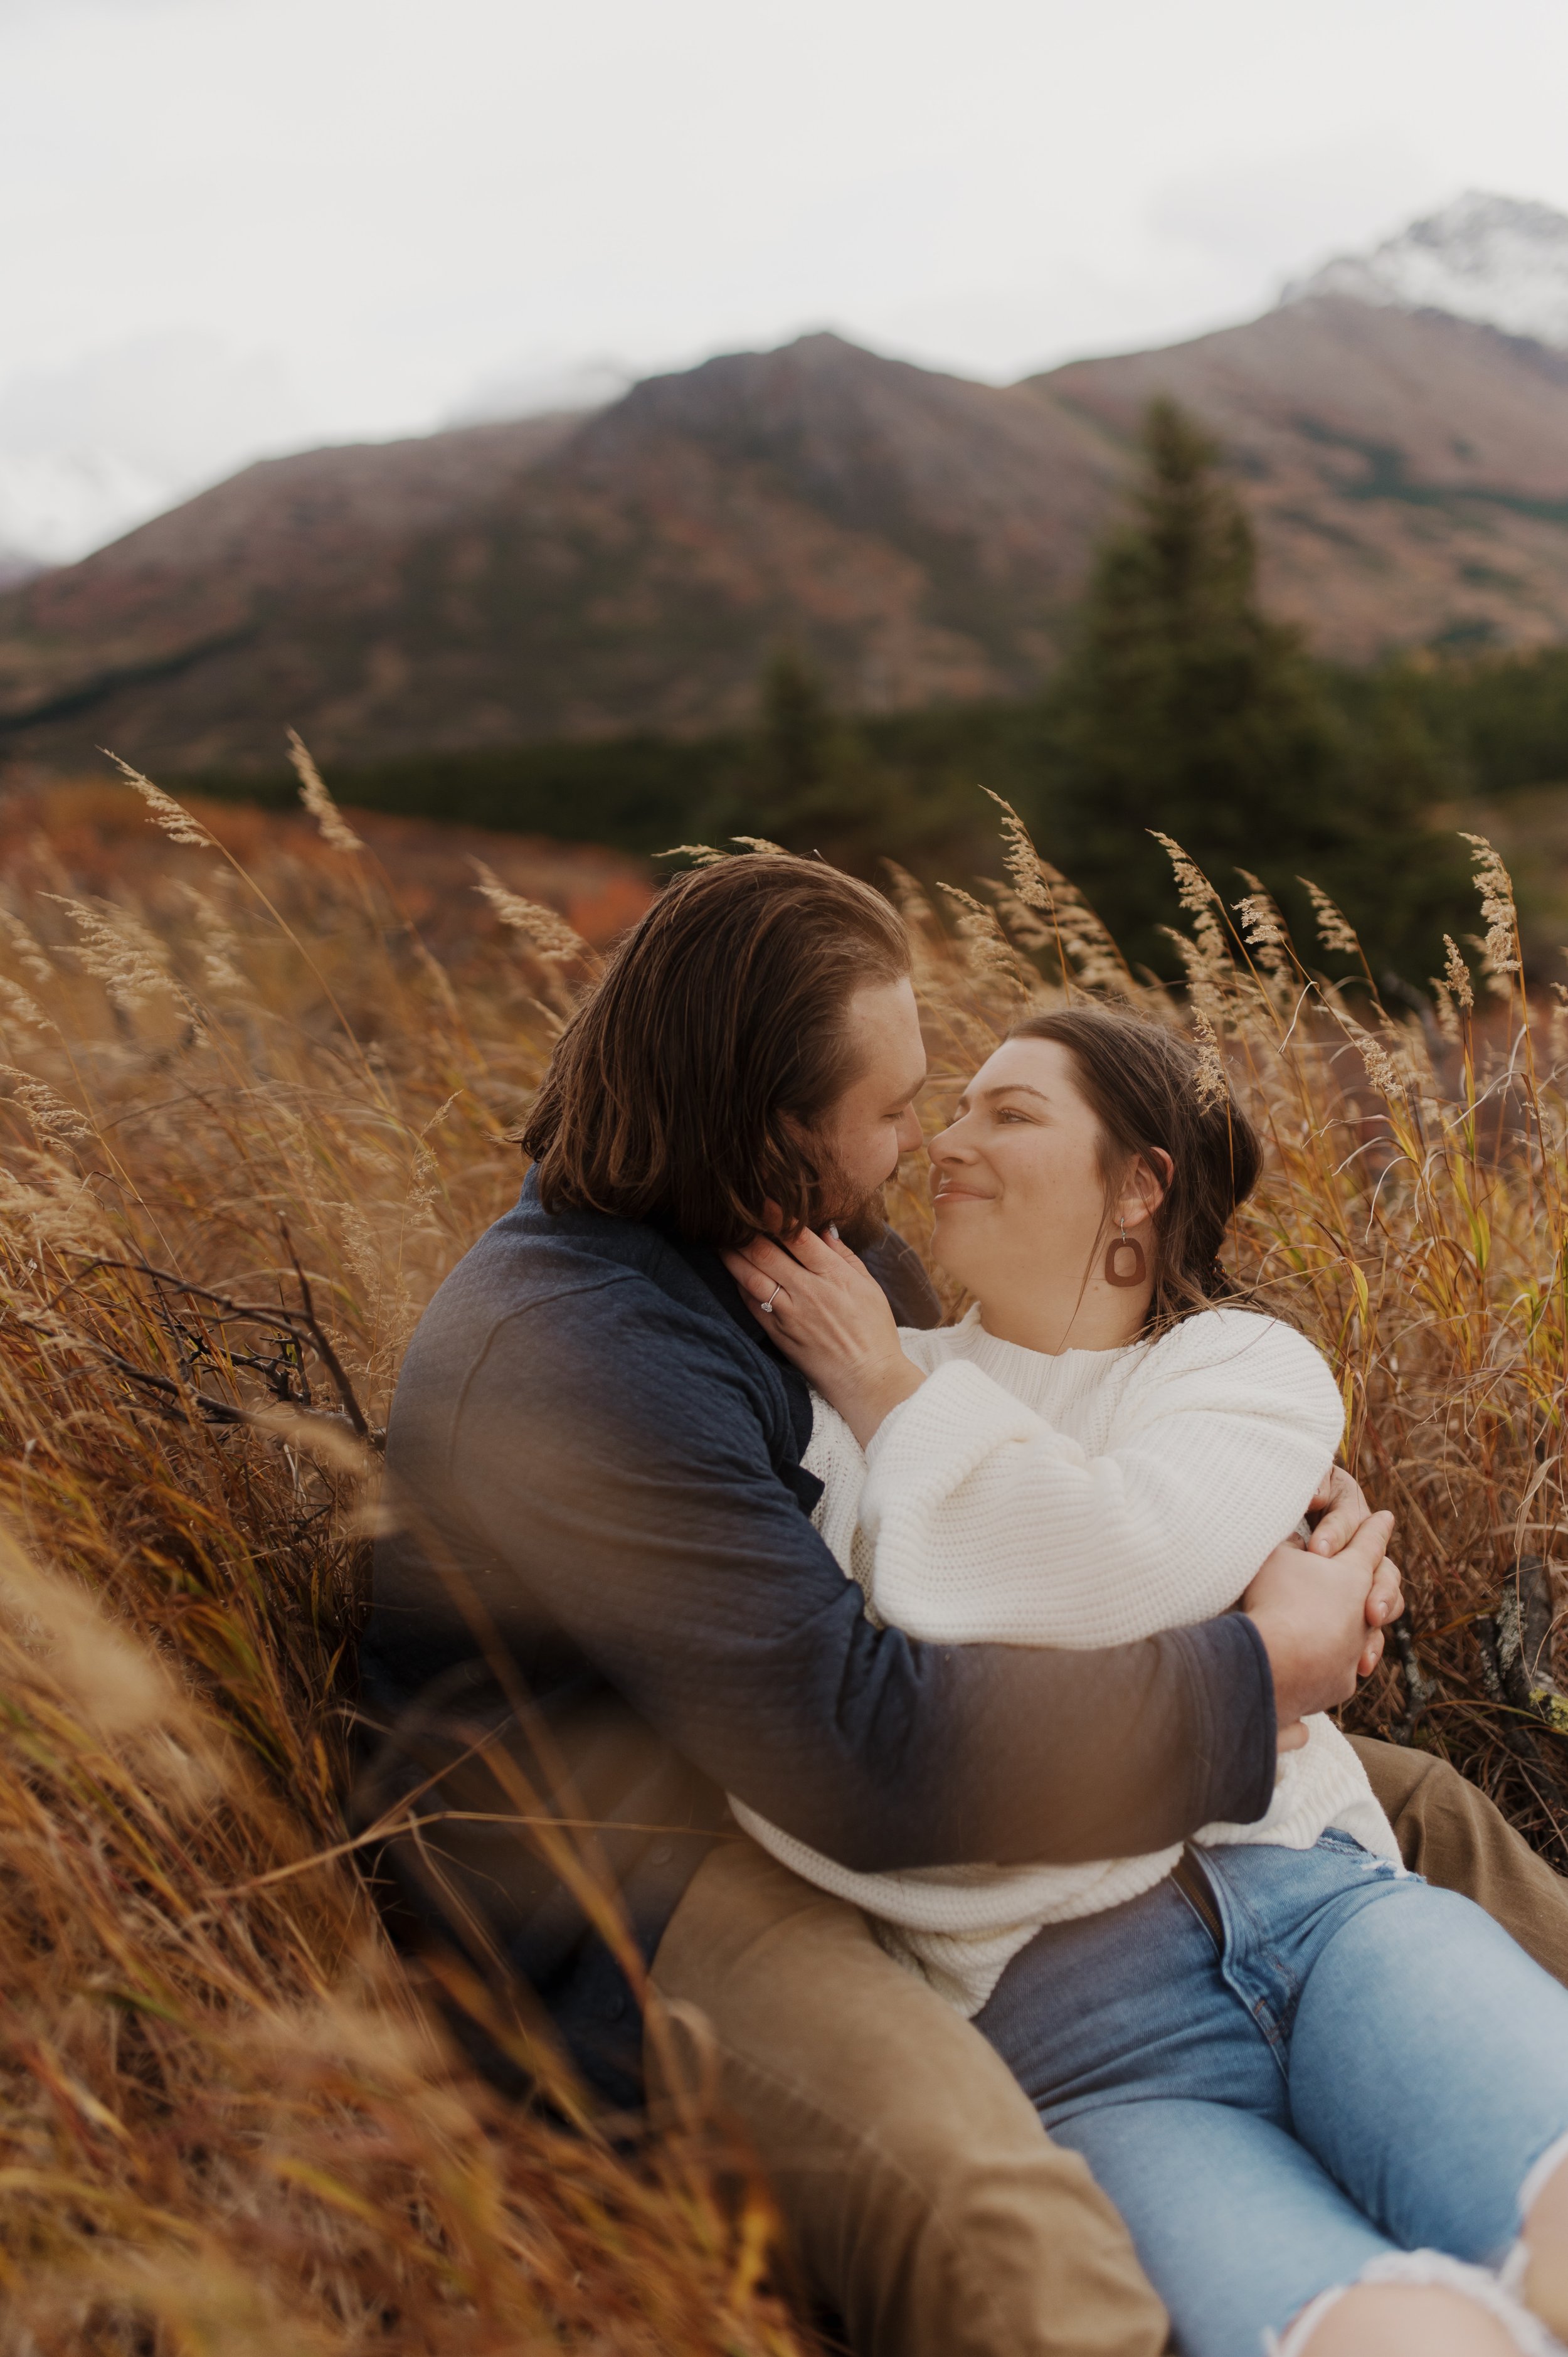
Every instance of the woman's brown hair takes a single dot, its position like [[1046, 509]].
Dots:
[[1142, 1083], [686, 1088]]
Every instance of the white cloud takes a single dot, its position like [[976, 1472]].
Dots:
[[89, 449], [537, 383], [388, 202], [176, 405], [1270, 211]]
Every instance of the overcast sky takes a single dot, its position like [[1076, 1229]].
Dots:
[[280, 221]]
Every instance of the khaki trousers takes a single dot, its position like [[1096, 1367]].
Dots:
[[923, 2202]]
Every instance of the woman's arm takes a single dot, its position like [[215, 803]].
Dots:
[[988, 1526]]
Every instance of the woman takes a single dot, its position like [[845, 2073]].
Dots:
[[1331, 2103]]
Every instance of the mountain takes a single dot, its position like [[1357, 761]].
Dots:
[[920, 537], [1482, 257], [1407, 471]]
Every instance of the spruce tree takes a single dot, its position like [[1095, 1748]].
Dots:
[[796, 748], [808, 780], [1182, 706]]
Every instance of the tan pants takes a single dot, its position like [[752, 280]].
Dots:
[[924, 2202]]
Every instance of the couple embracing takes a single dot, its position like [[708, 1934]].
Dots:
[[1081, 1986]]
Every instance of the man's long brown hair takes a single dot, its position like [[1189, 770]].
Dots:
[[686, 1089]]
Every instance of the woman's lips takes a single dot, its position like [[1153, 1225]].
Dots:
[[960, 1195]]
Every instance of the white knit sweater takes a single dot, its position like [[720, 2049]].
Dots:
[[1086, 1499]]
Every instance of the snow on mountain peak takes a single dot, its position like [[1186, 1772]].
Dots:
[[1496, 259]]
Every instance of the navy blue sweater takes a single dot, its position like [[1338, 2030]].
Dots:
[[605, 1511]]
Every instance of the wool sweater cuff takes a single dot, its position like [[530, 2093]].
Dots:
[[1234, 1761]]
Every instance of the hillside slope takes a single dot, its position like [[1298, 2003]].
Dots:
[[1407, 471], [920, 537], [918, 534]]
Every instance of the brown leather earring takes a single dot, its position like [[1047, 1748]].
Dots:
[[1114, 1250]]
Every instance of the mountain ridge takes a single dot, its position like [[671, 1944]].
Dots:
[[1406, 471], [920, 537]]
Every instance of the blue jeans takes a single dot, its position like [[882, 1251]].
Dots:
[[1363, 2064]]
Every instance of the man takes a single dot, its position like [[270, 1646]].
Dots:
[[606, 1607]]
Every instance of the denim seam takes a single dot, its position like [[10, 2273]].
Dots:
[[1244, 1942], [1207, 1928]]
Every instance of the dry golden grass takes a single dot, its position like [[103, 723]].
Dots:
[[249, 1121]]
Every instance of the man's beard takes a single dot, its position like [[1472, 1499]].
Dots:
[[861, 1220], [835, 1201], [864, 1225]]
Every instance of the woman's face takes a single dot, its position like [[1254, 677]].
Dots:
[[1016, 1183]]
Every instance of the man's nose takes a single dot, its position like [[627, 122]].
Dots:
[[909, 1131]]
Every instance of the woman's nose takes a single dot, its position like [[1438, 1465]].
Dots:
[[948, 1146]]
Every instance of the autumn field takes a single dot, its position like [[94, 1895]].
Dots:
[[260, 1079]]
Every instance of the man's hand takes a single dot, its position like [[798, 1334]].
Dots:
[[1338, 1512], [1311, 1613]]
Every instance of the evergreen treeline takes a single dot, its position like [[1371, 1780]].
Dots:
[[1183, 708], [1180, 706]]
